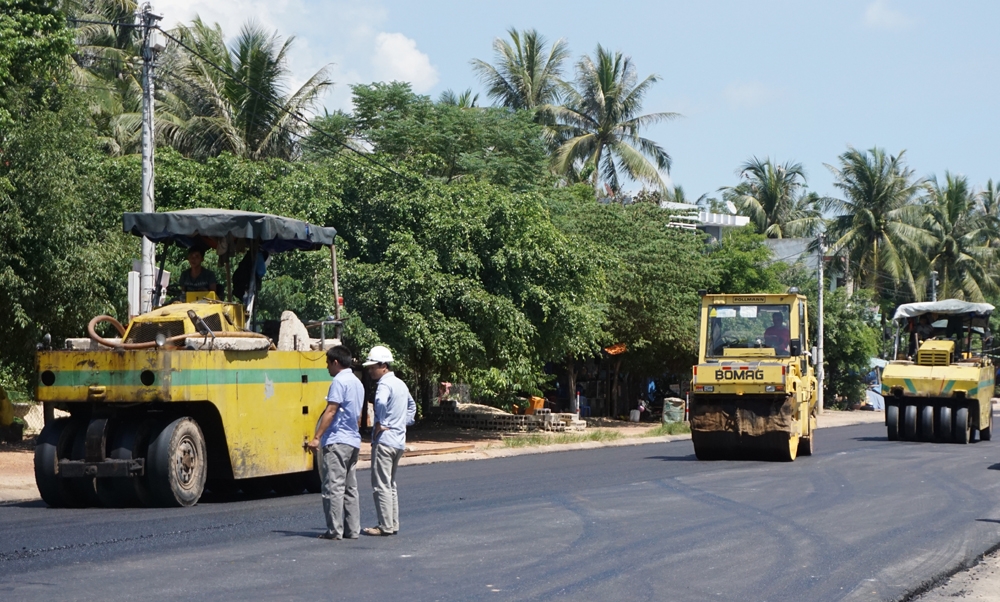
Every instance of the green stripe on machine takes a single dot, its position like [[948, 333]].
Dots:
[[186, 378]]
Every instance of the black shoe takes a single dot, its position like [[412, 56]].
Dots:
[[329, 535]]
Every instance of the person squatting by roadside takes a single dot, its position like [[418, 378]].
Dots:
[[394, 410], [338, 442]]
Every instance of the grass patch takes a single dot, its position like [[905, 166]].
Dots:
[[669, 428], [536, 439]]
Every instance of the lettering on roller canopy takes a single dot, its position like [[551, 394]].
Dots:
[[739, 374]]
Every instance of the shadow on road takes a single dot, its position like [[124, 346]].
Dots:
[[869, 438], [308, 534], [988, 520], [993, 467], [690, 458]]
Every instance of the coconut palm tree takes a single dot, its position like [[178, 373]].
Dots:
[[878, 223], [246, 111], [958, 249], [527, 72], [988, 206], [107, 65], [598, 126], [774, 198], [465, 100]]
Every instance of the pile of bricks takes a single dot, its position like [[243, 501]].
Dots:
[[541, 420]]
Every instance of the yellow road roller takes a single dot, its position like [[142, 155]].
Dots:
[[753, 391], [939, 386], [188, 393]]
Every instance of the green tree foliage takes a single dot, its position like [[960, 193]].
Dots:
[[852, 338], [744, 264], [445, 141], [653, 274], [62, 254], [599, 124], [34, 46], [527, 71]]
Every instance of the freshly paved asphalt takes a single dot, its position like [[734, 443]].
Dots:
[[863, 519]]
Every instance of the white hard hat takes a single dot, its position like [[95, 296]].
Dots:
[[378, 355]]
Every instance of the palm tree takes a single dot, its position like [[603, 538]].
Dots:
[[465, 100], [107, 66], [988, 207], [774, 198], [526, 74], [877, 225], [598, 128], [245, 111], [958, 248]]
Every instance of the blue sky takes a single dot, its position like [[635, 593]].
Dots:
[[791, 80]]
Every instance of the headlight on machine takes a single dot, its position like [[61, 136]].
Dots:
[[769, 388]]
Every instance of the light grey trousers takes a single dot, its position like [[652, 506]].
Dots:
[[385, 460], [340, 490]]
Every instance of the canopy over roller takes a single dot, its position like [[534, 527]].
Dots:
[[190, 227], [946, 307]]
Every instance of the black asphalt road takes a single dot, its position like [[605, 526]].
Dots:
[[863, 519]]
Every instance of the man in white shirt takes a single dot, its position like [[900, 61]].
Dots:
[[394, 410], [338, 441]]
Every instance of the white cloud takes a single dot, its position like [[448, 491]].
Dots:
[[346, 37], [748, 95], [879, 15], [396, 58]]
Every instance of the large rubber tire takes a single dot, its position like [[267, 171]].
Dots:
[[910, 423], [54, 443], [945, 424], [83, 489], [176, 464], [120, 492], [987, 433], [963, 430], [927, 423], [892, 422]]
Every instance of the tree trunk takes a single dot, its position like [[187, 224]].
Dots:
[[615, 388], [571, 378]]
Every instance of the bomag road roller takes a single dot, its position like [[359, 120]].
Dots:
[[753, 390], [939, 386], [188, 392]]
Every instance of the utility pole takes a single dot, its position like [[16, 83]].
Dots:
[[934, 285], [150, 46], [820, 372]]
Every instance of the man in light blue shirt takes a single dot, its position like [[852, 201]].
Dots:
[[394, 411], [338, 441]]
